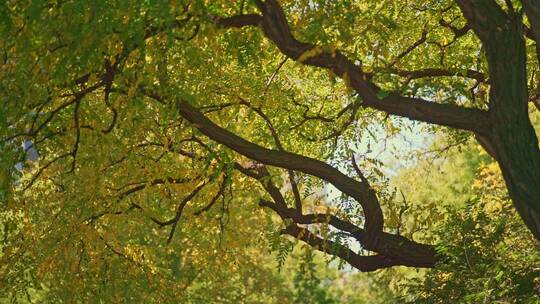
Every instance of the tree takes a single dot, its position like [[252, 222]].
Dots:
[[489, 259], [163, 110]]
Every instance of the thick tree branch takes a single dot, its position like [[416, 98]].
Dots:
[[400, 250], [292, 180], [362, 263], [513, 141], [287, 160], [239, 21], [275, 28]]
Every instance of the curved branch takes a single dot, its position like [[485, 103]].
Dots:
[[288, 160], [362, 263], [397, 249], [275, 27], [400, 249]]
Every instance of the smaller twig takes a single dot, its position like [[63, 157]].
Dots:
[[411, 48], [174, 221], [402, 210], [40, 171], [77, 135], [274, 75], [214, 199], [358, 171]]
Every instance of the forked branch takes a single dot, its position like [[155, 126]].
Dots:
[[275, 27]]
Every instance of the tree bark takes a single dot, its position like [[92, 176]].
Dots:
[[512, 140], [512, 136]]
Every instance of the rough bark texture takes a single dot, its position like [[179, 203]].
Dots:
[[513, 136], [512, 140]]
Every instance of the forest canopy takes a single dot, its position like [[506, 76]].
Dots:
[[270, 151]]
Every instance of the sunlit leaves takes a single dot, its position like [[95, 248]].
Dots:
[[94, 87]]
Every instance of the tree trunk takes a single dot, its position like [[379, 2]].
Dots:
[[512, 138]]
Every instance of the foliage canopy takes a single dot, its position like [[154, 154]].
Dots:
[[169, 141]]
